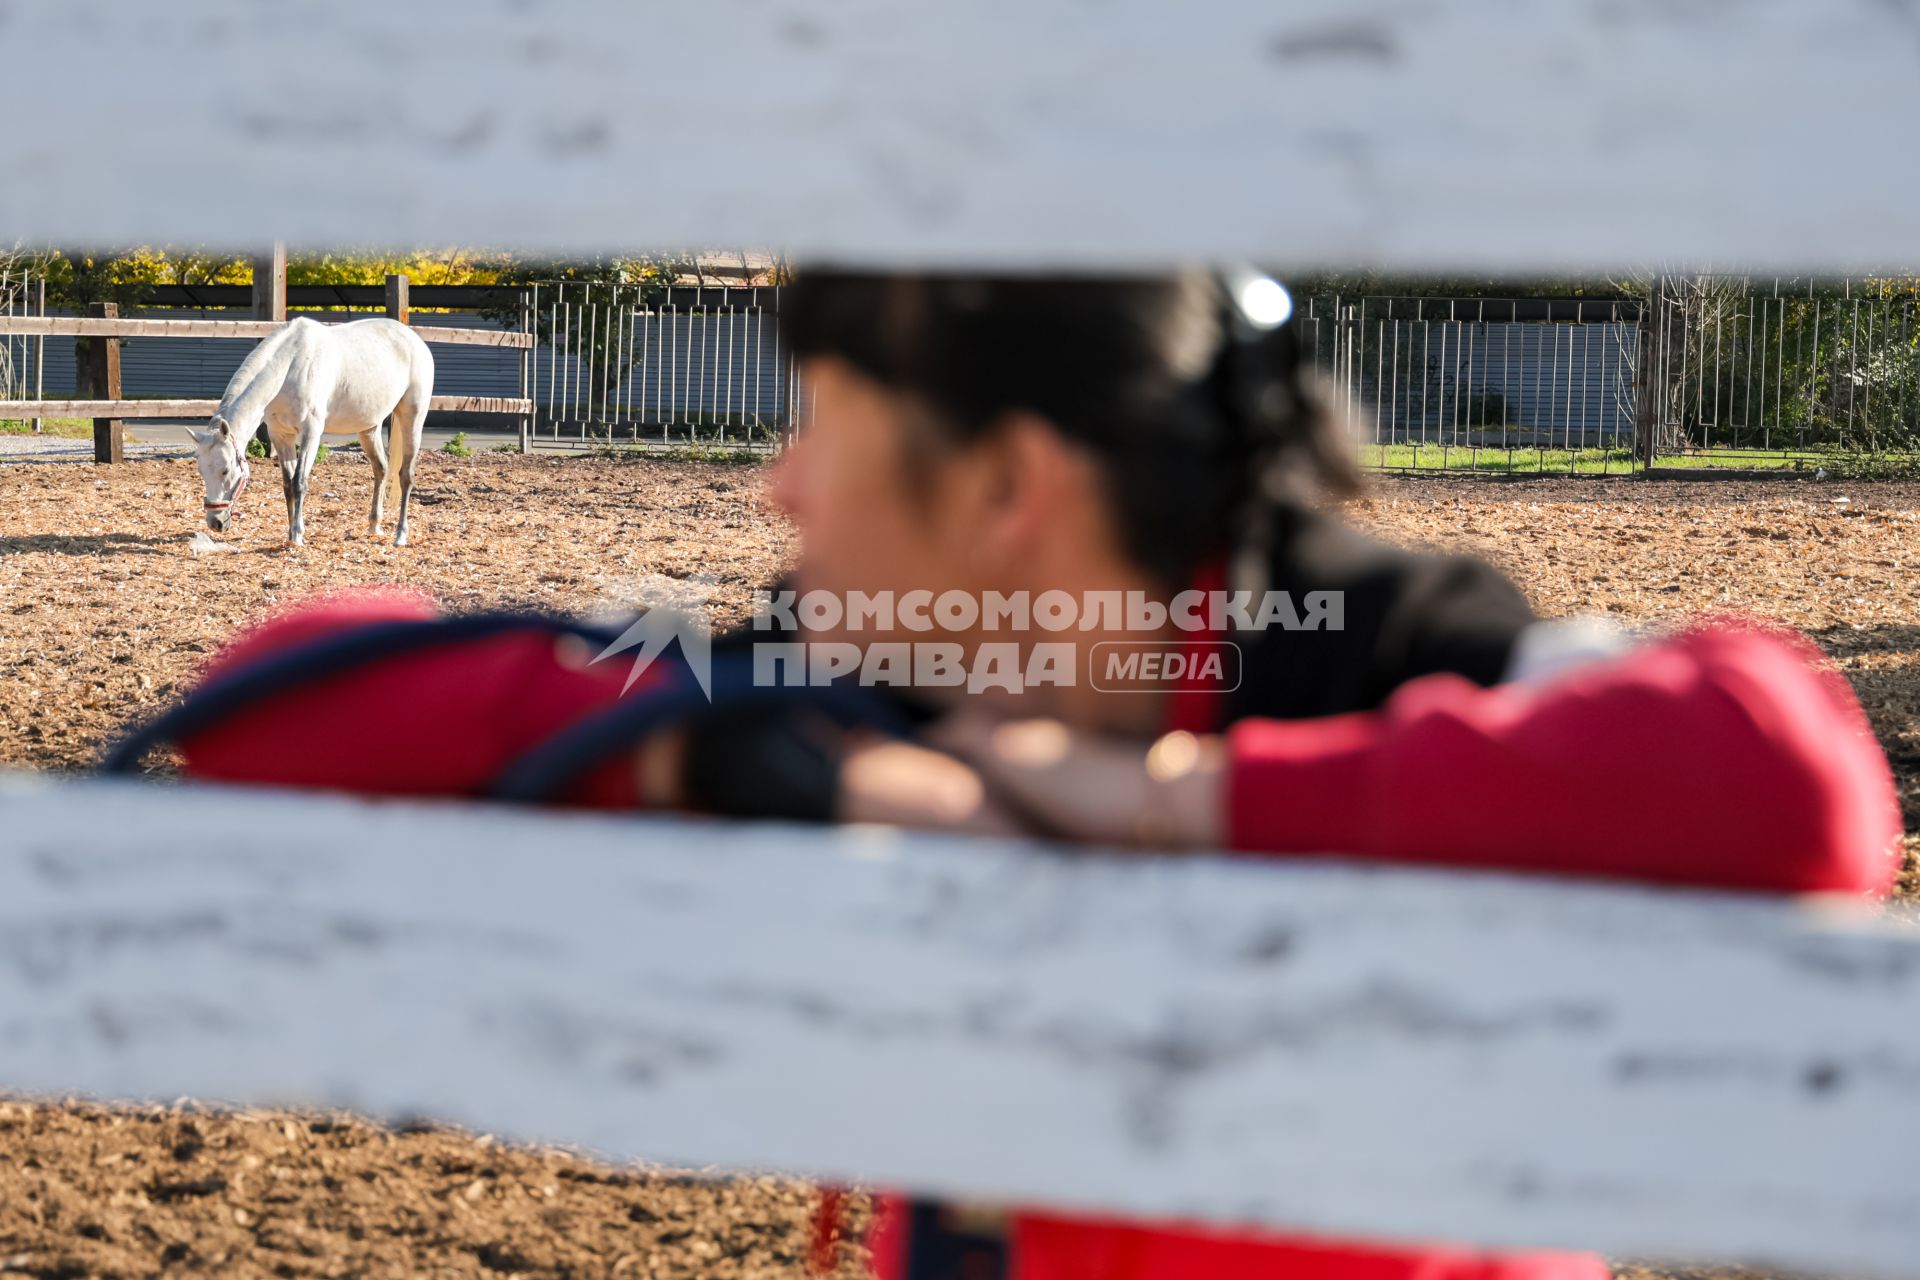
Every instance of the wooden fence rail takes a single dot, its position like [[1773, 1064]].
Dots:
[[1326, 1047], [87, 327], [110, 412], [205, 408], [1335, 134]]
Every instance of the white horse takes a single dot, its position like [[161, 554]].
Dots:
[[309, 379]]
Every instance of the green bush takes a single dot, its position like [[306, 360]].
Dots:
[[256, 448]]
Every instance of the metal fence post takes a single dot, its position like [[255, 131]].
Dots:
[[1646, 400], [40, 351], [526, 381]]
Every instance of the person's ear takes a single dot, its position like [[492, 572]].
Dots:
[[1031, 481]]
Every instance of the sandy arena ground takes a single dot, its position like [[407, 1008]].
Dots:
[[107, 612]]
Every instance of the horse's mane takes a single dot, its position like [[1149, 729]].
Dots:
[[256, 381]]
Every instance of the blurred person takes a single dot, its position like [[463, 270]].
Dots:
[[1152, 440]]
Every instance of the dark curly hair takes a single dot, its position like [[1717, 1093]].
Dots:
[[1199, 421]]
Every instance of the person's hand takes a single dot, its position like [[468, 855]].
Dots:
[[901, 784], [1075, 785]]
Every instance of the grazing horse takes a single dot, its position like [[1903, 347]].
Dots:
[[312, 378]]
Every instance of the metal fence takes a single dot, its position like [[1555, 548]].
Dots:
[[1703, 367], [23, 360], [1704, 370], [1441, 381], [620, 364], [613, 363], [1737, 366]]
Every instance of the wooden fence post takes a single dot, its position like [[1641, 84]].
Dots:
[[270, 285], [270, 302], [103, 354], [398, 307]]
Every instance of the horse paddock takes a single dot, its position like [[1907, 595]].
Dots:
[[109, 609]]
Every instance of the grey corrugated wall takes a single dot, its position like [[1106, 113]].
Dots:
[[728, 364], [1415, 380]]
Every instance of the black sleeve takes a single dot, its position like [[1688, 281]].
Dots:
[[764, 762], [1404, 615], [776, 759]]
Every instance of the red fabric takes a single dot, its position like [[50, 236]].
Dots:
[[438, 722], [1199, 706], [1736, 765], [887, 1237], [823, 1250], [1745, 768], [1048, 1248], [1742, 766]]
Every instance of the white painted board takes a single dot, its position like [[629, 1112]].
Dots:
[[1591, 134], [1351, 1050]]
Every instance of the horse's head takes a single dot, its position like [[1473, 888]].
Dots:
[[222, 458]]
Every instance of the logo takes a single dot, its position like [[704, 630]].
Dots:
[[1130, 666], [674, 610], [670, 609]]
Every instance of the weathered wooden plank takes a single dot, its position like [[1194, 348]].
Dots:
[[1360, 1051], [1450, 133], [87, 327], [83, 326], [108, 408], [270, 284], [204, 408], [474, 337], [395, 299], [480, 404]]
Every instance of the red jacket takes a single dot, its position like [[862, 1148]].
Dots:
[[1761, 774], [1749, 769]]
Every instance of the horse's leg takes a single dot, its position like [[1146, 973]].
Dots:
[[286, 451], [409, 420], [376, 451], [308, 445]]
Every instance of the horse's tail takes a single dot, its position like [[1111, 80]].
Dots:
[[420, 387]]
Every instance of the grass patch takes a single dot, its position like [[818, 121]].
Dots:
[[1535, 461], [60, 428], [601, 444], [1710, 461], [722, 455], [1868, 466], [1424, 457], [458, 446]]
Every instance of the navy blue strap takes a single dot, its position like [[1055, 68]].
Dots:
[[545, 772], [331, 655]]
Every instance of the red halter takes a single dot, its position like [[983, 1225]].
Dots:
[[237, 491]]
